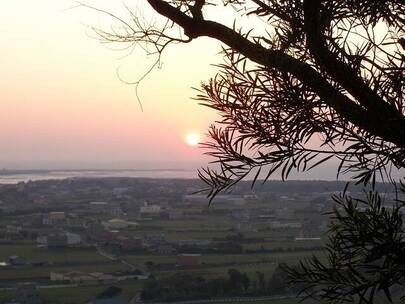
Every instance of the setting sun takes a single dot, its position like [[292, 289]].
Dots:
[[192, 139]]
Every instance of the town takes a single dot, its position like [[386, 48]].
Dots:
[[72, 240]]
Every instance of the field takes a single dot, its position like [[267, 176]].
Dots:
[[78, 295], [88, 260], [61, 255], [203, 225]]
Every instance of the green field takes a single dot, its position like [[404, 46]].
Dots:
[[30, 273], [64, 259], [32, 253], [211, 222], [204, 226], [88, 260], [78, 295]]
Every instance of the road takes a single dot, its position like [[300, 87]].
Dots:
[[45, 286], [228, 300]]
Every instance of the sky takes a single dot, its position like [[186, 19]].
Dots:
[[63, 105]]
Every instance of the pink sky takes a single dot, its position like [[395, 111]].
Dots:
[[62, 104], [61, 100]]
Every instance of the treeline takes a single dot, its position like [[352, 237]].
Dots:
[[282, 249], [217, 248], [233, 247], [181, 286]]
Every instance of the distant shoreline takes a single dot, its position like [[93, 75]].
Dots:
[[14, 176]]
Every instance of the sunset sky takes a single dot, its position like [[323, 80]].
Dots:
[[62, 102], [63, 105]]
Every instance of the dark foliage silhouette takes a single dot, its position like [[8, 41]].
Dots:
[[307, 81], [316, 80], [365, 253]]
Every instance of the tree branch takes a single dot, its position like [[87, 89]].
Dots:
[[276, 59], [378, 111]]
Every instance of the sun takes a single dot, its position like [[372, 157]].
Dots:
[[192, 139]]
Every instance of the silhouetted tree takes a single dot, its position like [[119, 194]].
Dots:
[[245, 282], [304, 81], [237, 281], [365, 254], [110, 292], [261, 282], [279, 281]]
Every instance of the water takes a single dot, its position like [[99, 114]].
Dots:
[[14, 177]]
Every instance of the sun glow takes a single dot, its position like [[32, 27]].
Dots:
[[192, 139]]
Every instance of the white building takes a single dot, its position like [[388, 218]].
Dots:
[[42, 240], [150, 209], [54, 218], [73, 238], [13, 229]]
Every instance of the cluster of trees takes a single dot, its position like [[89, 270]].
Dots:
[[110, 292], [263, 249], [365, 253], [190, 287]]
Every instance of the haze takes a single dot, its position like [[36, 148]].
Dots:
[[63, 105], [62, 102]]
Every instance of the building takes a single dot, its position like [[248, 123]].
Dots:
[[42, 240], [73, 239], [150, 210], [57, 276], [54, 218], [189, 259], [116, 211], [79, 277], [75, 222], [165, 249], [152, 238], [13, 229]]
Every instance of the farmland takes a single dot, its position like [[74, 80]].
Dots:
[[92, 234]]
